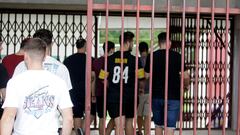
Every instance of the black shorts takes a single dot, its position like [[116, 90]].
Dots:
[[78, 104], [100, 102], [113, 110], [93, 109], [129, 110], [78, 110]]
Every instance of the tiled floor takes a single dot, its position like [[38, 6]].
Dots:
[[185, 132]]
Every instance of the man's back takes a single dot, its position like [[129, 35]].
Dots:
[[76, 64], [114, 69], [159, 63], [36, 95]]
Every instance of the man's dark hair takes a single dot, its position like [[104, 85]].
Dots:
[[36, 48], [80, 43], [24, 43], [110, 46], [127, 37], [45, 35], [162, 37], [143, 46]]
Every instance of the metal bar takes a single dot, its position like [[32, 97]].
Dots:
[[238, 121], [226, 70], [96, 38], [151, 63], [196, 70], [88, 67], [136, 66], [211, 69], [15, 33], [105, 69], [121, 78], [166, 69], [174, 9], [182, 66]]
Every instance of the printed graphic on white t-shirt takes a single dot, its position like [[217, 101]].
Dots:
[[39, 102]]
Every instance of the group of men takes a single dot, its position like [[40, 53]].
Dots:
[[42, 86]]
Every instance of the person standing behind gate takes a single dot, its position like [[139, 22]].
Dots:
[[114, 76], [158, 86], [76, 65], [98, 64], [32, 98], [12, 60], [143, 107]]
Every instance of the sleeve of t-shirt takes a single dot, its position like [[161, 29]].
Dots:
[[65, 100], [147, 65], [11, 99], [66, 76], [3, 77], [21, 67]]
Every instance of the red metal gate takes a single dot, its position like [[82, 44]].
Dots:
[[206, 55], [206, 46]]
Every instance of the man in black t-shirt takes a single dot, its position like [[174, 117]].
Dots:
[[158, 86], [76, 65], [128, 78]]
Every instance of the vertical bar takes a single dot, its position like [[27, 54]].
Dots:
[[121, 78], [196, 70], [211, 70], [73, 32], [15, 33], [136, 66], [151, 63], [88, 66], [226, 70], [105, 69], [96, 38], [238, 121], [166, 68], [182, 66]]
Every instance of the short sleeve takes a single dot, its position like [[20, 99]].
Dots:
[[65, 75], [147, 65], [3, 76], [65, 100], [11, 99]]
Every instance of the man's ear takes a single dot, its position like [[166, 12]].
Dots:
[[25, 55]]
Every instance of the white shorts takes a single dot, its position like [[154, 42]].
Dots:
[[143, 106]]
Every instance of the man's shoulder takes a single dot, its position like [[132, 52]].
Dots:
[[10, 56], [53, 61]]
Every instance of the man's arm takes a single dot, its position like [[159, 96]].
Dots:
[[7, 120], [187, 79], [93, 86], [67, 121], [3, 93]]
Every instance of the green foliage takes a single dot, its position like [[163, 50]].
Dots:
[[144, 35]]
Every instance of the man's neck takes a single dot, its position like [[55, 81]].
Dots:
[[81, 50], [35, 66]]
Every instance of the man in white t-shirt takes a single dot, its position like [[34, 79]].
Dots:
[[49, 63], [32, 98]]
